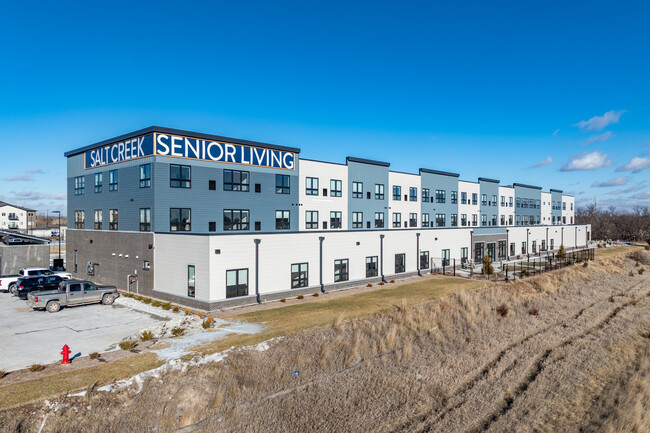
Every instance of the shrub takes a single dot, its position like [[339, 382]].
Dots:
[[369, 285], [199, 315], [645, 334], [641, 271], [146, 336], [167, 306], [381, 283], [283, 300], [3, 373], [187, 312], [300, 297], [487, 269], [631, 274], [146, 300], [562, 253], [647, 247], [392, 281], [178, 331], [637, 264], [207, 323], [156, 303], [316, 294], [94, 355], [640, 256], [525, 273], [126, 295], [611, 299], [36, 367], [176, 309], [503, 310], [127, 345], [585, 264], [534, 312]]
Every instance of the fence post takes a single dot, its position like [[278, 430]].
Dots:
[[443, 267], [506, 273]]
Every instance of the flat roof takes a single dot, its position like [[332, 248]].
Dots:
[[557, 190], [164, 130], [523, 185], [366, 161], [442, 173], [487, 179]]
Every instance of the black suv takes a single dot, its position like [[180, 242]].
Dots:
[[36, 284]]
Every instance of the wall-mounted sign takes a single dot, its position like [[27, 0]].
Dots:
[[190, 148]]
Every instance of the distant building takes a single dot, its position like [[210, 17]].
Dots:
[[14, 217]]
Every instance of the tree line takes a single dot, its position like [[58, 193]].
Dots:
[[632, 225]]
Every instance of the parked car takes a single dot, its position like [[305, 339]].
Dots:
[[27, 285], [8, 282], [70, 293]]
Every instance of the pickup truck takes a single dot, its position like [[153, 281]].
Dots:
[[70, 293], [9, 282]]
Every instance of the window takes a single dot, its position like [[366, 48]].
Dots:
[[503, 220], [454, 197], [79, 219], [424, 259], [179, 220], [552, 243], [397, 220], [299, 275], [484, 200], [463, 219], [311, 186], [76, 263], [445, 257], [512, 248], [311, 219], [425, 220], [441, 196], [371, 267], [441, 219], [463, 254], [236, 283], [282, 220], [503, 201], [501, 250], [212, 185], [510, 201], [509, 220], [379, 220], [413, 194], [112, 180], [98, 219], [400, 263], [494, 200], [518, 202], [413, 220], [357, 190], [494, 220], [99, 179], [236, 180], [474, 198], [212, 226], [180, 176], [454, 220], [79, 185], [282, 184], [563, 220], [425, 195], [191, 281], [571, 206], [341, 272], [474, 219], [145, 220], [463, 198], [563, 205], [112, 219], [483, 220], [397, 192], [258, 225], [357, 220], [236, 219], [336, 188], [518, 220], [533, 245], [379, 191], [145, 176]]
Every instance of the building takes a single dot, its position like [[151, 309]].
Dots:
[[209, 221], [14, 217]]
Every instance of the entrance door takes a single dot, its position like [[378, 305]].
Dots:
[[492, 251], [445, 257], [478, 251]]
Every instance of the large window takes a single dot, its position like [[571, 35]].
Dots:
[[523, 248], [474, 198], [341, 270], [441, 196], [454, 220], [112, 180], [79, 219], [413, 194], [311, 219], [282, 220], [336, 188], [425, 220], [400, 263], [112, 219], [424, 259], [98, 219], [379, 220], [282, 184], [425, 195], [413, 219], [335, 219], [357, 190], [379, 191], [501, 250], [494, 200], [145, 176], [483, 220], [494, 220], [236, 283], [397, 220], [299, 275], [180, 220], [454, 197], [441, 220], [180, 176], [503, 201], [474, 220], [236, 219], [236, 180], [191, 281], [311, 186], [357, 220], [79, 185], [397, 192], [99, 180], [371, 267], [463, 198], [484, 200], [145, 220], [463, 219]]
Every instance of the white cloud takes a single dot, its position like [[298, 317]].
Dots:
[[35, 195], [595, 139], [645, 195], [619, 181], [635, 165], [587, 161], [37, 170], [20, 177], [597, 123], [555, 132], [542, 163]]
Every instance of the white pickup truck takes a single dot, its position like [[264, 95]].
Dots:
[[8, 282]]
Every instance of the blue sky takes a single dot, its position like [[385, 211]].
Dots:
[[554, 94]]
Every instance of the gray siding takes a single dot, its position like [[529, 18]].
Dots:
[[557, 198], [492, 207], [440, 182], [529, 193], [369, 175]]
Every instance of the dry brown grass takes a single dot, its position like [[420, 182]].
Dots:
[[36, 367]]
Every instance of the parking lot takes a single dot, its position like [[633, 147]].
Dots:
[[36, 337]]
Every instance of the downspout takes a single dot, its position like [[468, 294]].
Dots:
[[257, 270], [417, 253], [322, 286], [381, 257]]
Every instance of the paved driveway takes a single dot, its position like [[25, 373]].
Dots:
[[36, 337]]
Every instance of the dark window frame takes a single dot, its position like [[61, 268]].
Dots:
[[236, 180], [282, 220], [181, 225], [145, 176], [237, 288], [336, 188], [299, 277], [310, 189], [236, 224], [145, 226], [181, 179], [112, 180], [282, 184], [341, 274]]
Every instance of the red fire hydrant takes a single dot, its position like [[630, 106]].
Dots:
[[65, 352]]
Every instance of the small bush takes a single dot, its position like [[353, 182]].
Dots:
[[487, 268], [178, 331], [647, 247], [611, 299], [368, 285], [637, 264], [534, 312], [525, 273], [283, 300], [585, 264], [631, 274], [126, 295], [146, 336], [187, 312], [146, 300], [561, 254], [639, 256], [176, 309], [316, 294], [207, 323], [94, 355], [3, 373], [167, 306], [156, 303], [641, 271], [645, 334], [503, 310], [127, 345], [300, 297], [381, 283], [392, 281], [36, 367]]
